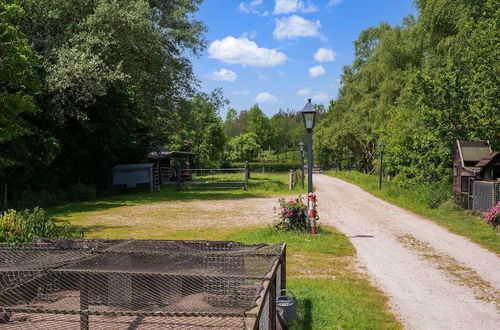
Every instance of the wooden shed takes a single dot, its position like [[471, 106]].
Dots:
[[473, 161], [167, 163]]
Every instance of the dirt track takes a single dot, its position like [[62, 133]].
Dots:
[[434, 279]]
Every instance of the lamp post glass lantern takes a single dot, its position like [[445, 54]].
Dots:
[[382, 149], [309, 116], [301, 148]]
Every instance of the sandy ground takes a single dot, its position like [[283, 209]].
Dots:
[[434, 279]]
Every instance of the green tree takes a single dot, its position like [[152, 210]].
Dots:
[[258, 124], [18, 86], [114, 75], [244, 147], [205, 128]]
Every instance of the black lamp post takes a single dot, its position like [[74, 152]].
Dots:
[[309, 116], [382, 149], [301, 148], [350, 160]]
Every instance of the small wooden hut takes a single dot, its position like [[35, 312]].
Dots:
[[473, 161], [167, 163]]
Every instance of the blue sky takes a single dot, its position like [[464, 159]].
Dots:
[[278, 53]]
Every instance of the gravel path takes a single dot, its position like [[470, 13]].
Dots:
[[434, 279]]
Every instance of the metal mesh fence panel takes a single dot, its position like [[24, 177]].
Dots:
[[131, 284], [226, 178], [484, 196]]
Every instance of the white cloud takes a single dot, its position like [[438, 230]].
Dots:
[[304, 92], [321, 97], [266, 97], [263, 77], [295, 26], [242, 92], [292, 6], [249, 34], [324, 55], [222, 75], [316, 96], [317, 71], [333, 3], [252, 7], [246, 52]]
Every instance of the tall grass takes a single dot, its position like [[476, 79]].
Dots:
[[331, 294]]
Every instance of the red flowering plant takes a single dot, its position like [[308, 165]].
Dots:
[[492, 218], [291, 215]]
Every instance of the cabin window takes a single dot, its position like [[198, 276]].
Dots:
[[455, 170]]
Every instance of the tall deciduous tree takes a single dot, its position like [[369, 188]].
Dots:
[[18, 85]]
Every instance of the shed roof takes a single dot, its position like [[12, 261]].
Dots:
[[488, 159], [132, 167], [161, 152], [473, 151]]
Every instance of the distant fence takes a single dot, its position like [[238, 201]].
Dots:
[[485, 195], [216, 178]]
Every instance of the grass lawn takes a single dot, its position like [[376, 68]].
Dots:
[[261, 185], [452, 217], [321, 269]]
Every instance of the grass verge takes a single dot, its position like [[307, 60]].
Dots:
[[320, 272], [421, 201]]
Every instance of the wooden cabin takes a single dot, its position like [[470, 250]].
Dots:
[[473, 161], [166, 163]]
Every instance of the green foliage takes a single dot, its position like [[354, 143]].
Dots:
[[28, 198], [18, 85], [268, 167], [25, 226], [110, 80], [81, 192], [244, 147], [204, 128], [291, 215], [435, 78]]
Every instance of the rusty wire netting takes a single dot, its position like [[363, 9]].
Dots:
[[131, 284]]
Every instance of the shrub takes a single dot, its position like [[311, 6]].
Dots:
[[28, 199], [25, 226], [291, 215], [81, 192], [492, 218]]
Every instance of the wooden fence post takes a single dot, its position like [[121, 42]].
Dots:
[[290, 180], [247, 175], [178, 175]]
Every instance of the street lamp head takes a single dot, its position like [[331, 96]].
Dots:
[[301, 146], [309, 115], [382, 146]]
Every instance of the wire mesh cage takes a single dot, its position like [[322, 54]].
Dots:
[[486, 194], [133, 284]]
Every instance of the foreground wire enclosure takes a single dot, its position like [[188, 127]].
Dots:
[[140, 284]]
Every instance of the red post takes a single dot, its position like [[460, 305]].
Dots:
[[311, 198]]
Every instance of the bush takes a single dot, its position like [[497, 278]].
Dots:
[[29, 199], [81, 192], [291, 215], [25, 226]]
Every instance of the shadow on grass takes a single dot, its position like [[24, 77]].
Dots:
[[304, 315], [145, 198]]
